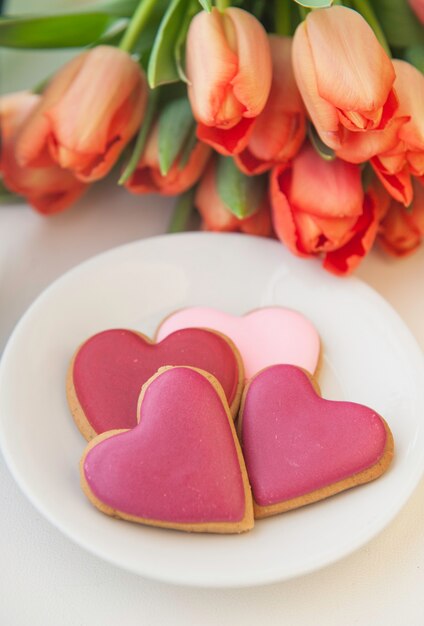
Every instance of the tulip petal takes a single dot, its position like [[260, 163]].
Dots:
[[323, 114], [359, 77], [31, 139], [282, 216], [402, 230], [398, 184], [211, 66], [47, 188], [360, 147], [347, 258], [97, 95], [226, 141], [410, 87], [325, 188], [252, 81]]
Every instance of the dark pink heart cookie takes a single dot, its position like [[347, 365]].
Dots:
[[180, 467], [109, 369], [300, 448]]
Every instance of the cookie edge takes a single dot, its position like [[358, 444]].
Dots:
[[245, 524], [367, 475]]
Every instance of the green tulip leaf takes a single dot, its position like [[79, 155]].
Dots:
[[182, 212], [141, 139], [415, 56], [181, 40], [55, 31], [314, 4], [401, 27], [176, 125], [242, 194], [206, 4], [162, 67]]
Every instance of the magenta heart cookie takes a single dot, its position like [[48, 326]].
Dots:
[[264, 337], [109, 369], [181, 467], [300, 448]]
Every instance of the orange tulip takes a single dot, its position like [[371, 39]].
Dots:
[[395, 165], [402, 230], [343, 74], [217, 216], [49, 188], [279, 130], [88, 113], [319, 207], [229, 70], [147, 177]]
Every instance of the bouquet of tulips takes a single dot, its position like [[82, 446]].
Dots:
[[286, 118]]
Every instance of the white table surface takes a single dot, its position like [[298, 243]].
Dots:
[[45, 580]]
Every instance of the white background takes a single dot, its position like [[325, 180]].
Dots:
[[45, 580]]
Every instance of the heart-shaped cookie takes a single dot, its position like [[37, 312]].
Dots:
[[264, 337], [109, 369], [181, 467], [300, 448]]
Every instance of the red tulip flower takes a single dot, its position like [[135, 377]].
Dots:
[[147, 177], [229, 70], [319, 208], [217, 216], [48, 188], [87, 114], [344, 75], [279, 130]]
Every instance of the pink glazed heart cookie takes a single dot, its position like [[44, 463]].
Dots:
[[264, 337], [300, 448], [109, 369], [181, 467]]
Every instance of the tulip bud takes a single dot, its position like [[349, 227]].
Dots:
[[344, 75], [88, 113], [318, 207], [217, 215], [229, 70], [48, 188], [183, 174], [279, 130], [402, 230]]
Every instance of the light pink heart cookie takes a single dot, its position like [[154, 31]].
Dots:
[[300, 448], [181, 467], [264, 337]]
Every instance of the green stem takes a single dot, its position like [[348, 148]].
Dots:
[[182, 212], [303, 11], [283, 24], [365, 9], [141, 139], [222, 4], [138, 21]]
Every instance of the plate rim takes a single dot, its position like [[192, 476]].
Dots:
[[271, 575]]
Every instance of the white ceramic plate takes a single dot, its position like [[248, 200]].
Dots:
[[369, 356]]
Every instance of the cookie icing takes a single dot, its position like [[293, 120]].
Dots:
[[110, 368], [264, 337], [179, 464], [295, 442]]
